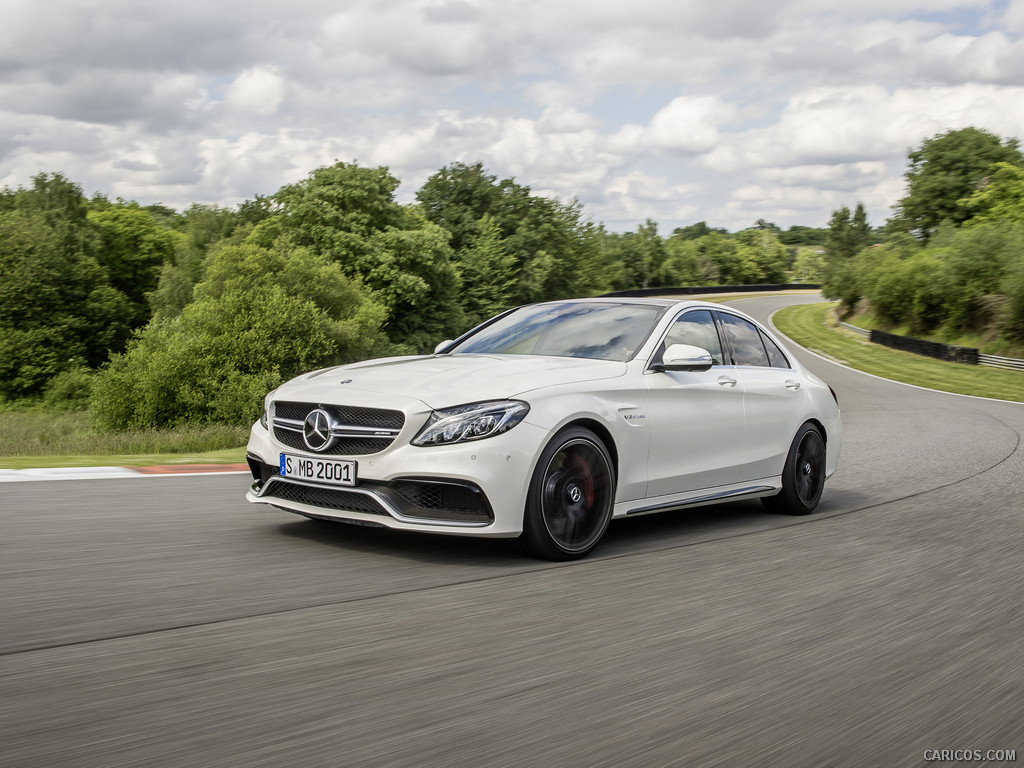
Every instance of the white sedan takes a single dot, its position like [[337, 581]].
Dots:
[[549, 420]]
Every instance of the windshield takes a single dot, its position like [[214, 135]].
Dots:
[[567, 329]]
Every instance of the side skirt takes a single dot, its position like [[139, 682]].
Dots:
[[645, 507]]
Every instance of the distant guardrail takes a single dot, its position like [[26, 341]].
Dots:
[[692, 290], [995, 361], [862, 331], [936, 349], [950, 352]]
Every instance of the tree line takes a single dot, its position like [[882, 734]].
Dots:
[[153, 317], [950, 262]]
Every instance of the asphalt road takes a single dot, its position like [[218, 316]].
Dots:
[[164, 621]]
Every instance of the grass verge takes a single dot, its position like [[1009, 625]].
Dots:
[[813, 326], [37, 437]]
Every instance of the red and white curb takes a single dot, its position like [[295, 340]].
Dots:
[[107, 473]]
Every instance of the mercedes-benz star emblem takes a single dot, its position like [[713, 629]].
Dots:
[[316, 430]]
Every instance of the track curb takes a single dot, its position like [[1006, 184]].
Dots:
[[107, 473]]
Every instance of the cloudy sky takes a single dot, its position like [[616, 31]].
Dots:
[[679, 111]]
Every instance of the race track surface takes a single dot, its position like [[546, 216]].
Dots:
[[164, 621]]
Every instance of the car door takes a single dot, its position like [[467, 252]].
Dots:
[[696, 418], [771, 394]]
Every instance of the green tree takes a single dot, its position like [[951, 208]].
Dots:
[[202, 227], [800, 235], [974, 262], [134, 248], [1012, 287], [58, 310], [1000, 197], [487, 272], [645, 253], [458, 196], [765, 257], [697, 231], [945, 170], [848, 234], [335, 210], [348, 214], [259, 317], [902, 290], [553, 247], [809, 265], [682, 265], [410, 273]]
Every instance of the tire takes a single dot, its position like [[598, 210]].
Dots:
[[571, 496], [803, 476]]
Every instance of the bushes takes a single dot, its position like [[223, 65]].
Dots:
[[968, 280], [1013, 289], [259, 318], [69, 390]]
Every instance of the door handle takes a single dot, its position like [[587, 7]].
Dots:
[[794, 385], [727, 381]]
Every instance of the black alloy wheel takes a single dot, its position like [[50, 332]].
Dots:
[[803, 476], [571, 496]]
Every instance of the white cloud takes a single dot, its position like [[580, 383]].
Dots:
[[1013, 17], [566, 120], [678, 112], [636, 192], [259, 91], [689, 125]]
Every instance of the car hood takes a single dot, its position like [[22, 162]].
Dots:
[[441, 381]]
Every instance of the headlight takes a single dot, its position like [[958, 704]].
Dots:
[[471, 422], [265, 415]]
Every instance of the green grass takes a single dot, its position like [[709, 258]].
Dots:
[[814, 326], [37, 437]]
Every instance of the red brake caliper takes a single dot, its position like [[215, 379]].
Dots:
[[588, 479]]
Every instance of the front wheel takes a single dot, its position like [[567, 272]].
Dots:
[[803, 476], [571, 495]]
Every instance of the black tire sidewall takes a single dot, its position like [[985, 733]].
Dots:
[[535, 537], [788, 500]]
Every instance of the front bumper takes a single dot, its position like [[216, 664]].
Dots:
[[476, 489]]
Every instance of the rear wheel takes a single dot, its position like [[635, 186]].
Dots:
[[803, 476], [569, 504]]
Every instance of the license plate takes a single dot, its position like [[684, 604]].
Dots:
[[330, 471]]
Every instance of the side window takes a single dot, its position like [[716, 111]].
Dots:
[[775, 355], [698, 330], [745, 340]]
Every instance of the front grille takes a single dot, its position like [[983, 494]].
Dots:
[[374, 418], [327, 498], [355, 446], [347, 414]]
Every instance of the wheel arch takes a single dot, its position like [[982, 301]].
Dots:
[[820, 427], [603, 433]]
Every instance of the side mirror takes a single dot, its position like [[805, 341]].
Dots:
[[684, 357], [442, 346]]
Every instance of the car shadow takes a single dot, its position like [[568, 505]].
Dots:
[[625, 536], [695, 525], [407, 545]]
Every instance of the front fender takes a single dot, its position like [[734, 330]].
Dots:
[[627, 439]]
